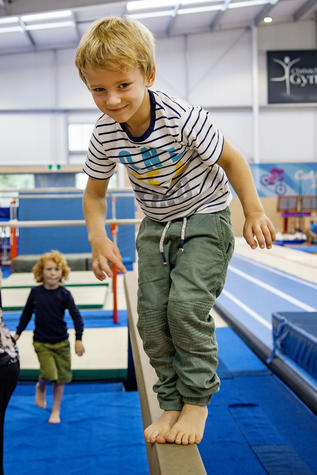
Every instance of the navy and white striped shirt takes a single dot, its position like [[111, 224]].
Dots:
[[172, 167]]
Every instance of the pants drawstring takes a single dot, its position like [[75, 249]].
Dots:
[[181, 248]]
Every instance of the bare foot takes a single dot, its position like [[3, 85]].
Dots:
[[157, 431], [190, 426], [54, 418], [40, 396]]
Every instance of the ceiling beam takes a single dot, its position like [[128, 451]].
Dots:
[[21, 7], [26, 32], [172, 19], [305, 8], [219, 15]]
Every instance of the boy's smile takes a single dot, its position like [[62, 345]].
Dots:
[[122, 95]]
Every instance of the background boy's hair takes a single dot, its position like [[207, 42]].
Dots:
[[114, 42], [57, 258]]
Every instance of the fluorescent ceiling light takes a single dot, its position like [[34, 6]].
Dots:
[[147, 4], [139, 16], [150, 4], [248, 3], [211, 8], [47, 16], [46, 26], [10, 29], [267, 19], [8, 20]]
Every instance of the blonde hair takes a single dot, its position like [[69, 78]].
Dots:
[[57, 258], [115, 42]]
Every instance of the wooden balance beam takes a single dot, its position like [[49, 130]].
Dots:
[[163, 459]]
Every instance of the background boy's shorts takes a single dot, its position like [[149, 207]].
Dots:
[[55, 362]]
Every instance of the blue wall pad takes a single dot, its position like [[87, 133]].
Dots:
[[295, 335], [71, 239], [100, 434]]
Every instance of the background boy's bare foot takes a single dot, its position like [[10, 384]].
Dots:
[[40, 396], [157, 431], [54, 418], [190, 426]]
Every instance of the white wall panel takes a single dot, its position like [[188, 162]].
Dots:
[[72, 92], [171, 66], [287, 137], [237, 129], [32, 139], [219, 68], [27, 81]]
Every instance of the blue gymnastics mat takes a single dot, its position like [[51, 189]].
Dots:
[[256, 426], [101, 433]]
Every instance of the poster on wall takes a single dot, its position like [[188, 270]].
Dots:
[[292, 76], [273, 179]]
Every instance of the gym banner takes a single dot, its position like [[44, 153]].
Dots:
[[274, 179], [292, 76]]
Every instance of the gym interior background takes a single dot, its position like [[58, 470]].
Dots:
[[253, 65]]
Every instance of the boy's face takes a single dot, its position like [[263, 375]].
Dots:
[[52, 275], [122, 95]]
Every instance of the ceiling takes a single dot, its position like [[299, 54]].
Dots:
[[19, 31]]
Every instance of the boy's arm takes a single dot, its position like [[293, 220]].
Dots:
[[78, 323], [257, 224], [104, 251]]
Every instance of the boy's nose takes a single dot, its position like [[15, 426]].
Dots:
[[112, 100]]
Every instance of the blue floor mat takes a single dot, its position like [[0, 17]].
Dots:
[[256, 425], [100, 433]]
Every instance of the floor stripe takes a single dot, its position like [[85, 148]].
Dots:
[[278, 272], [247, 309], [275, 291]]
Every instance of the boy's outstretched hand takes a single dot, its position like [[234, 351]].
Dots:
[[104, 251], [259, 230], [79, 348]]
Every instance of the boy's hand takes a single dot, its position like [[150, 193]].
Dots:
[[16, 337], [258, 230], [79, 348], [105, 251]]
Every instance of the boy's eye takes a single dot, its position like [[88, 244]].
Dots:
[[98, 89], [123, 85]]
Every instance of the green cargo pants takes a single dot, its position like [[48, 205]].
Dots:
[[174, 303]]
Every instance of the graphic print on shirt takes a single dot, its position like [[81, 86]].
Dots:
[[152, 162]]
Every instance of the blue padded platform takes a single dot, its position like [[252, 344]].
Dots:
[[295, 335]]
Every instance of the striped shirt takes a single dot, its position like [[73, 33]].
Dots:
[[172, 167]]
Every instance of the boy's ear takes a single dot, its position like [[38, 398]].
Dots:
[[151, 78]]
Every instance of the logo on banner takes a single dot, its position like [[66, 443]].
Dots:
[[292, 76]]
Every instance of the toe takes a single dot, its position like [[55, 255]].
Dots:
[[179, 438], [170, 436], [160, 439]]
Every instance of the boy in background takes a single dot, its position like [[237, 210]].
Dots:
[[179, 165], [50, 339]]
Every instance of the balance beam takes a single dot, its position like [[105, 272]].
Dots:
[[163, 459]]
